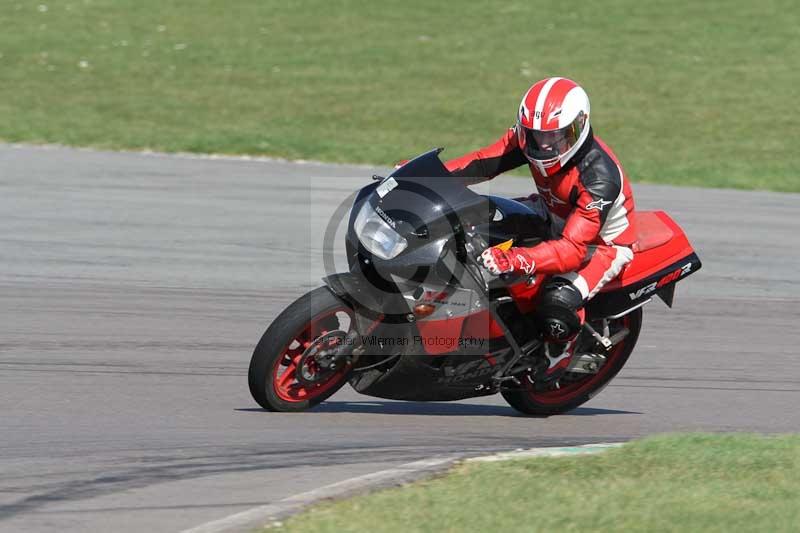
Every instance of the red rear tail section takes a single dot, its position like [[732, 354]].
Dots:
[[662, 257], [660, 244]]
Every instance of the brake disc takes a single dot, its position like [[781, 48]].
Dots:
[[324, 357]]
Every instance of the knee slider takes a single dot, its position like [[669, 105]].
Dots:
[[558, 311]]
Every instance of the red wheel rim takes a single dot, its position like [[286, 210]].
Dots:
[[575, 389], [284, 378]]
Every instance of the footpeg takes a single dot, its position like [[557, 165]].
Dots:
[[586, 363]]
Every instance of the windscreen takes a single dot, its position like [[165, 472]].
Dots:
[[427, 165]]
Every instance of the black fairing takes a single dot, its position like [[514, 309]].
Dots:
[[432, 210], [435, 212]]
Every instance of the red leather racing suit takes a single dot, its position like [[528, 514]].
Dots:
[[591, 193]]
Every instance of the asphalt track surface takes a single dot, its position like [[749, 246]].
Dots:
[[134, 287]]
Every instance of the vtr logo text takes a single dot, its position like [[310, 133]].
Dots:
[[669, 278]]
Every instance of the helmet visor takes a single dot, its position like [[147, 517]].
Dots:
[[545, 145]]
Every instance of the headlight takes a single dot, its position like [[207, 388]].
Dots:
[[377, 235]]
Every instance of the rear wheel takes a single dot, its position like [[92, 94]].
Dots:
[[299, 361], [574, 389]]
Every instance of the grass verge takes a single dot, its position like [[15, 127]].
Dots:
[[699, 93], [691, 482]]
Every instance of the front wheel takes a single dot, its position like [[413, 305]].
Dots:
[[297, 363], [575, 389]]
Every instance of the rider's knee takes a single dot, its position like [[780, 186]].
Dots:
[[560, 311]]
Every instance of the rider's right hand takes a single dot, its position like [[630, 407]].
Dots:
[[498, 261]]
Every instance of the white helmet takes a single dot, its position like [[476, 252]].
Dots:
[[553, 123]]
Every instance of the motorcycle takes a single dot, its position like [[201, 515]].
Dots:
[[418, 318]]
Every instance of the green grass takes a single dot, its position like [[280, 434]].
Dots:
[[670, 483], [701, 93]]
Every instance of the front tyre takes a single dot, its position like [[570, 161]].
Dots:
[[577, 389], [287, 371]]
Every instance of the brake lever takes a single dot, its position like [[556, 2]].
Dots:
[[473, 259], [478, 275]]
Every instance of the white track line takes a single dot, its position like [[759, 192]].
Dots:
[[546, 452], [265, 514]]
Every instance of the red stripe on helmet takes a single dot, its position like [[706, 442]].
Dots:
[[529, 102], [552, 104]]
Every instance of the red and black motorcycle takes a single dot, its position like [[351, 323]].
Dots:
[[417, 318]]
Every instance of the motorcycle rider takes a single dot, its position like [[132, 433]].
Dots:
[[582, 182]]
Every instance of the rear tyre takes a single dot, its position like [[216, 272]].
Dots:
[[284, 375], [580, 388]]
